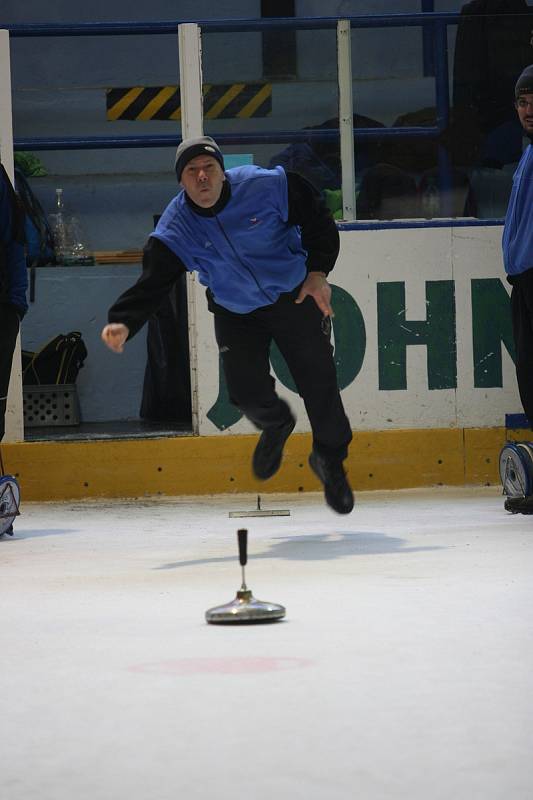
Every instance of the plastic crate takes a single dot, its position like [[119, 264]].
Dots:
[[56, 404]]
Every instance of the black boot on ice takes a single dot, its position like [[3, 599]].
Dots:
[[338, 493]]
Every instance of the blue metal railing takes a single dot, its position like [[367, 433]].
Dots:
[[236, 25], [428, 54], [434, 26], [228, 139], [439, 22]]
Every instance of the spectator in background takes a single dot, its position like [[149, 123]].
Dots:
[[492, 47], [518, 247]]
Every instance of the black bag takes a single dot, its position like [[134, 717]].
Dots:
[[39, 240], [58, 362]]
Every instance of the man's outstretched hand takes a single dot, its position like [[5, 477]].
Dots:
[[114, 335], [317, 287]]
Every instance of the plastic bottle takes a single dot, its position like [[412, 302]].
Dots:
[[59, 228], [431, 202], [70, 248]]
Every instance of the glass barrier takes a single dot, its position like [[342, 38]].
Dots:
[[293, 119], [88, 86], [485, 139], [146, 390], [435, 136], [465, 168], [110, 200]]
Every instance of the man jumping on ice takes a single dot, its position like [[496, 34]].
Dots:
[[262, 242]]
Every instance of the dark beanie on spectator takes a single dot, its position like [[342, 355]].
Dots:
[[524, 84], [199, 146]]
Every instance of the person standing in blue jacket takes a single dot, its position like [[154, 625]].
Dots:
[[262, 242], [13, 283], [518, 247]]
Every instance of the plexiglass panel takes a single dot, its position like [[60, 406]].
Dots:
[[101, 87], [435, 136], [291, 121], [452, 84]]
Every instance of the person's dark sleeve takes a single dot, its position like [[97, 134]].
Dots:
[[18, 277], [161, 269], [320, 236], [12, 237]]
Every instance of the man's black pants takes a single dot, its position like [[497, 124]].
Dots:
[[522, 314], [9, 328], [303, 338]]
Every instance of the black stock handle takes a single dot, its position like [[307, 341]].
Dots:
[[242, 535]]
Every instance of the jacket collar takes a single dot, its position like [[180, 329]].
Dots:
[[219, 206]]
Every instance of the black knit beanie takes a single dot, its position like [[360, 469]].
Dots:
[[524, 84], [199, 146]]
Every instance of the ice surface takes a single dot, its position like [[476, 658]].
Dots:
[[403, 668]]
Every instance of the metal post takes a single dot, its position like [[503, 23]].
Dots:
[[192, 124], [6, 119], [14, 413], [442, 91], [344, 67], [191, 96], [428, 48]]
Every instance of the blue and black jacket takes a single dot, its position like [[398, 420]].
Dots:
[[13, 274], [517, 239], [267, 230]]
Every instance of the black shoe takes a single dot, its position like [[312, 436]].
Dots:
[[519, 505], [339, 495], [267, 455]]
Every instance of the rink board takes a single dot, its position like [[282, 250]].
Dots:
[[422, 335]]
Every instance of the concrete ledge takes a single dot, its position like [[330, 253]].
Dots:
[[218, 464]]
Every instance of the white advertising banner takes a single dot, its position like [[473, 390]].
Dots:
[[422, 335]]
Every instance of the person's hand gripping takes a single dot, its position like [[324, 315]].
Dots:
[[317, 287]]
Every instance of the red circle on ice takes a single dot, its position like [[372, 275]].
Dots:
[[233, 665]]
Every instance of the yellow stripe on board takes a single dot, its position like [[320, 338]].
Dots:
[[119, 108], [225, 100], [196, 465], [157, 102], [251, 107]]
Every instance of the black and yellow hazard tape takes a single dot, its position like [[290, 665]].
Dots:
[[221, 101]]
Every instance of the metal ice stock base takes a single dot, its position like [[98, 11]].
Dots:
[[245, 608]]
